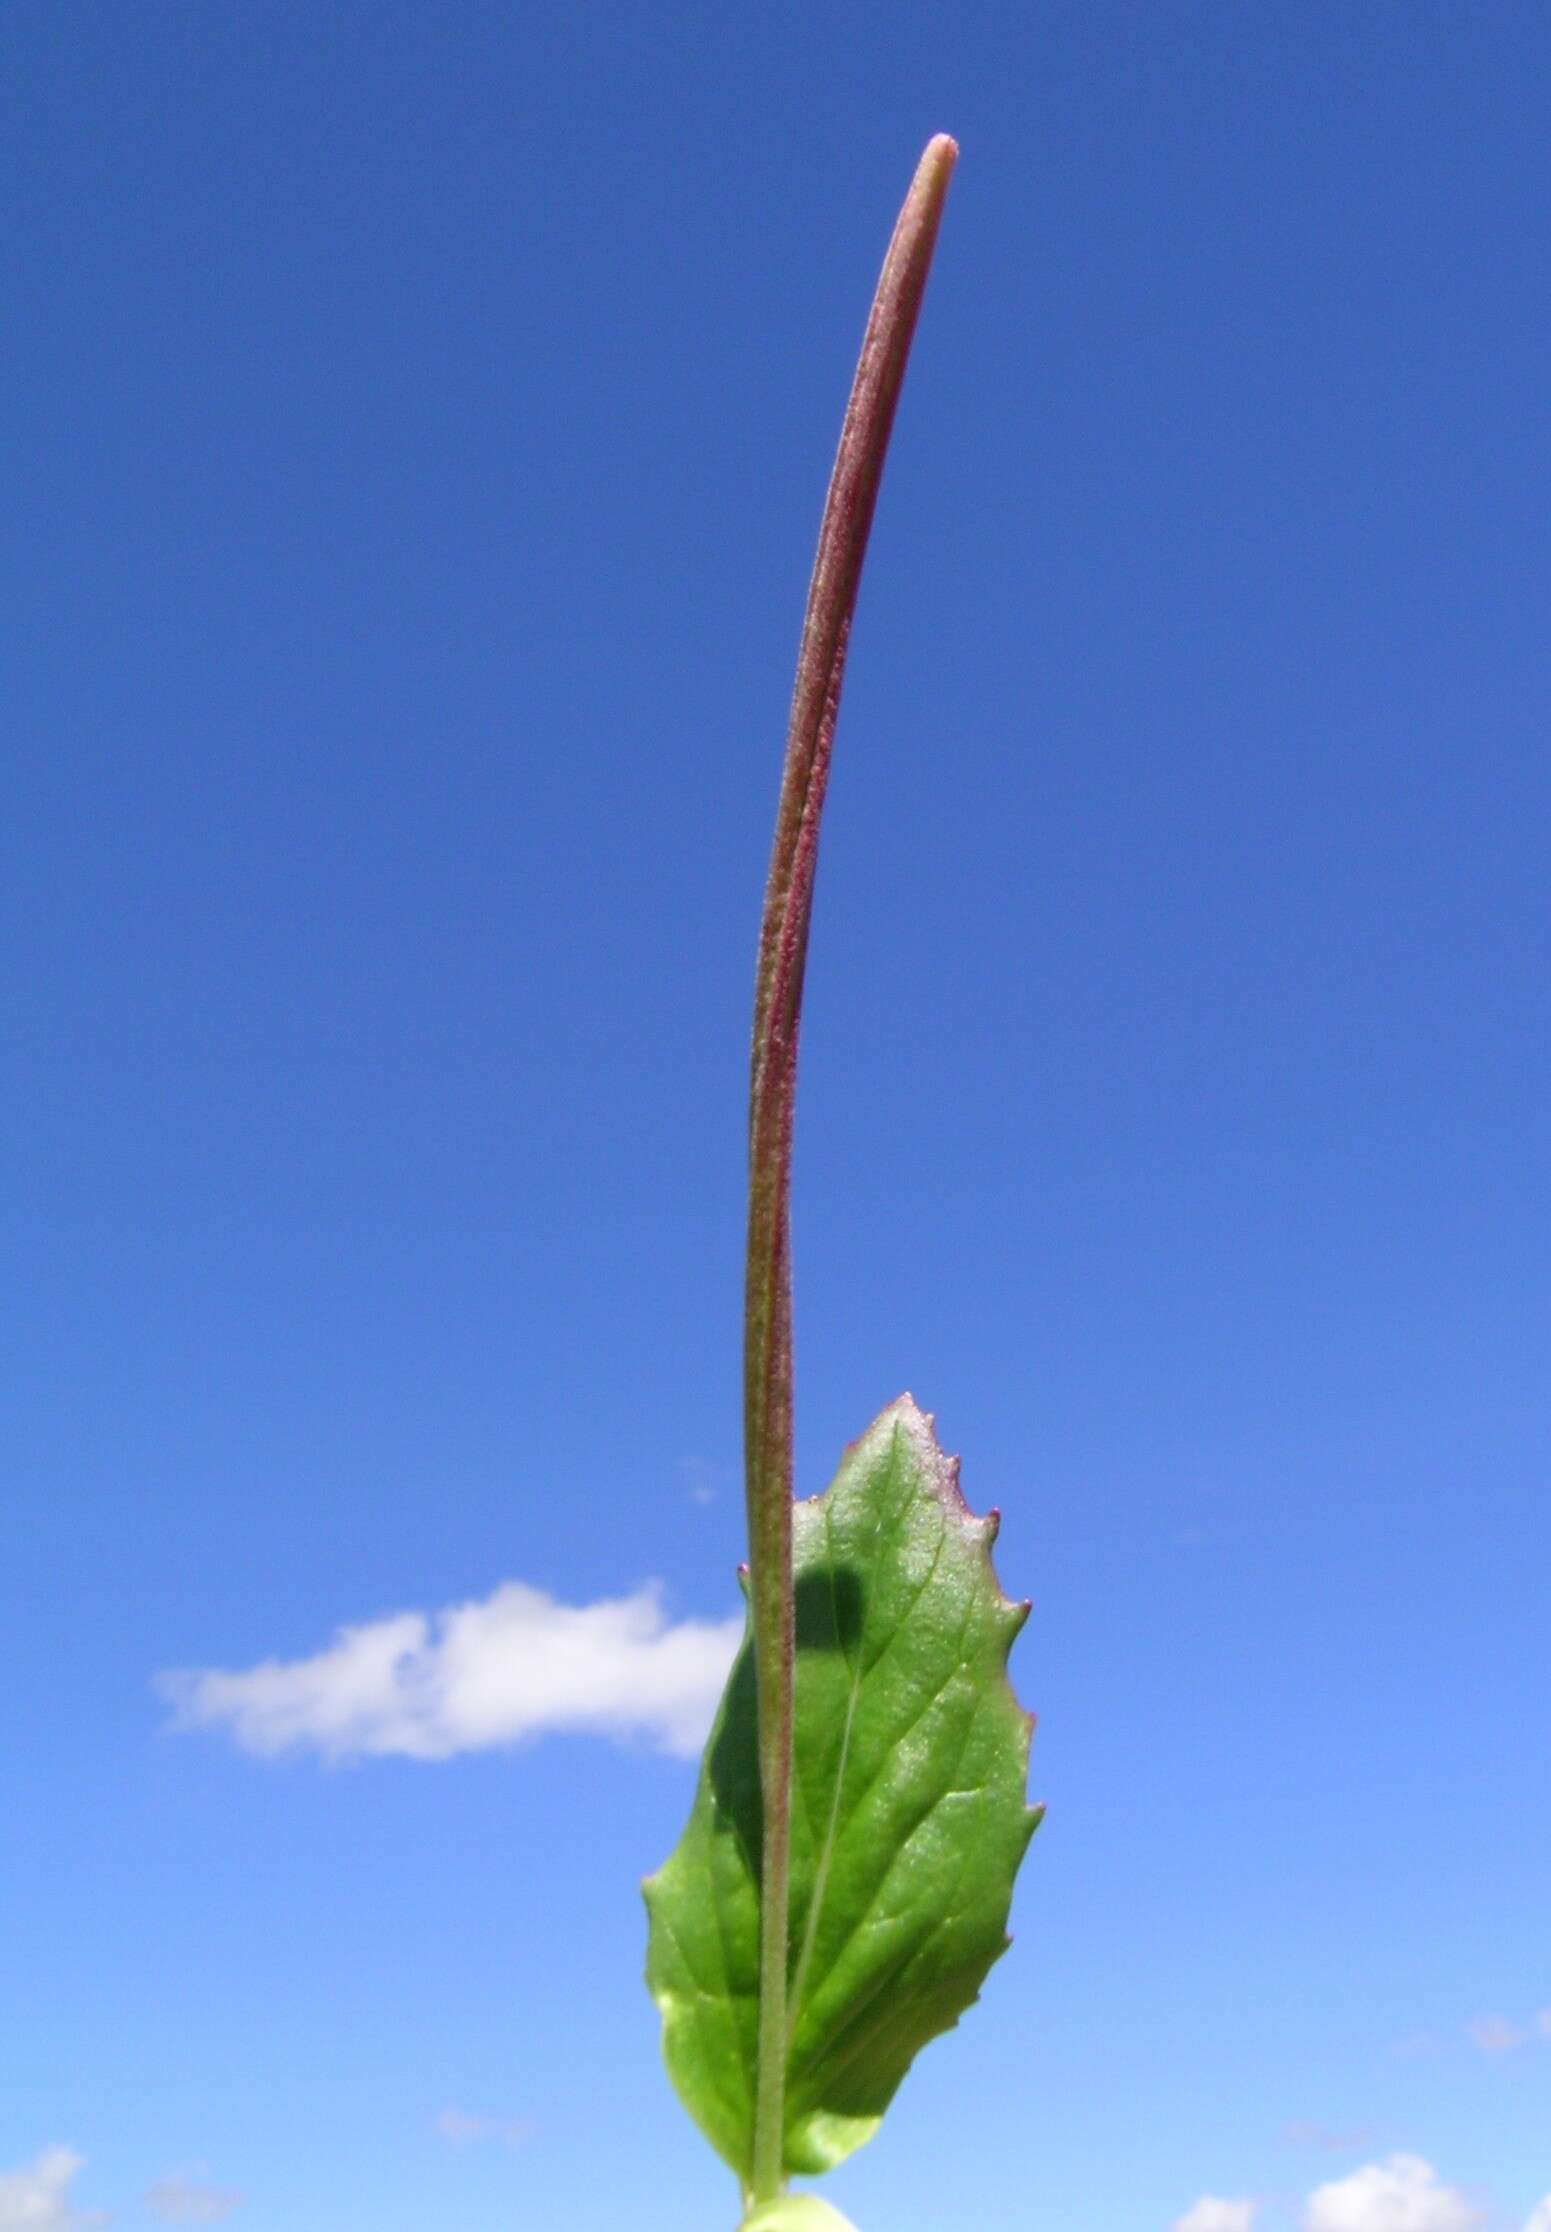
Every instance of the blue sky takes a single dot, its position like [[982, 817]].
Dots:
[[417, 422]]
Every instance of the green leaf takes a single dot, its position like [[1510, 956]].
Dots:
[[797, 2212], [909, 1814]]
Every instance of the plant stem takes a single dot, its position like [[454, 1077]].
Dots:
[[783, 946]]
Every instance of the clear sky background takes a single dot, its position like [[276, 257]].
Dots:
[[416, 422]]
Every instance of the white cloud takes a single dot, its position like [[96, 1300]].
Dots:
[[1404, 2194], [512, 1666], [1213, 2214], [37, 2198], [188, 2197], [460, 2129], [1541, 2220]]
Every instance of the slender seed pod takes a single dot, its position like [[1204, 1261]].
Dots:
[[783, 947]]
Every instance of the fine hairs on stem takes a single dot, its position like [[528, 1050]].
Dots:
[[783, 943]]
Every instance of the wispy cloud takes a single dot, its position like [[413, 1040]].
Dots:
[[36, 2198], [188, 2197], [1403, 2194], [1541, 2220], [460, 2129], [1503, 2034], [1213, 2214], [1328, 2138], [702, 1480], [513, 1666]]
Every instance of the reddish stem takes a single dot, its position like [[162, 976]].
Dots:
[[783, 947]]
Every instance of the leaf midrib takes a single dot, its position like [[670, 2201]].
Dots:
[[860, 1669], [827, 1847]]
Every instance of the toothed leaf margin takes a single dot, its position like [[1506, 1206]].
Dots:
[[909, 1812]]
